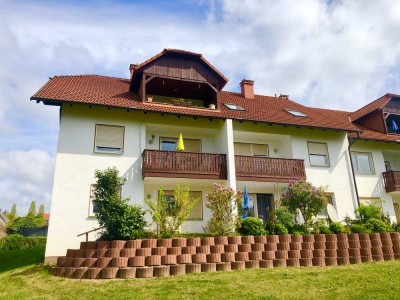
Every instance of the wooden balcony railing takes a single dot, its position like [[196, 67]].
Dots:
[[392, 181], [253, 168], [157, 163]]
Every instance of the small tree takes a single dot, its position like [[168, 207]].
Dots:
[[223, 203], [170, 214], [40, 213], [12, 215], [304, 196], [32, 210], [120, 220]]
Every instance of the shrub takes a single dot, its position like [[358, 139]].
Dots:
[[367, 212], [376, 225], [223, 203], [16, 241], [299, 229], [321, 228], [281, 229], [120, 220], [20, 222], [252, 226], [396, 227], [358, 228], [336, 227], [170, 215], [304, 196], [280, 216]]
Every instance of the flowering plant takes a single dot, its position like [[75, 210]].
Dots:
[[223, 203], [302, 195]]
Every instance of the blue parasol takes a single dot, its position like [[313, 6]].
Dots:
[[394, 126], [245, 202]]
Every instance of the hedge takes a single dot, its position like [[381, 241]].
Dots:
[[17, 241]]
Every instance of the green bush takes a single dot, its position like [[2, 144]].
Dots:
[[252, 226], [17, 241], [321, 228], [377, 225], [336, 227], [298, 229], [120, 220], [358, 228], [367, 212], [396, 227], [281, 229]]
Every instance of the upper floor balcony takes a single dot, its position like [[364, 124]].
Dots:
[[392, 181], [176, 164], [267, 169]]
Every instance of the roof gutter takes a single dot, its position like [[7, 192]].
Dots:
[[56, 102]]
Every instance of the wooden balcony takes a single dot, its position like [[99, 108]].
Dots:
[[252, 168], [175, 164], [392, 181]]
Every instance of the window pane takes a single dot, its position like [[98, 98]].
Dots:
[[192, 145], [260, 150], [109, 138], [318, 160], [363, 163], [168, 146], [317, 148], [243, 149]]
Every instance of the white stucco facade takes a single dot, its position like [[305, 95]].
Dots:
[[77, 161]]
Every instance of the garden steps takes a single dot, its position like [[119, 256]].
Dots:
[[165, 257]]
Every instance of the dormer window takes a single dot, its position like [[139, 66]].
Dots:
[[233, 106], [295, 113]]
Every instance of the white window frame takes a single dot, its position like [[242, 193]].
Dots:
[[326, 156], [251, 148], [109, 149], [356, 165]]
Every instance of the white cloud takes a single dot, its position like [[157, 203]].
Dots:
[[25, 176], [337, 54]]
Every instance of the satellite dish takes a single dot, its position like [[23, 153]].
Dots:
[[299, 217], [332, 214]]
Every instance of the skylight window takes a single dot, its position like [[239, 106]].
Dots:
[[295, 113], [233, 106]]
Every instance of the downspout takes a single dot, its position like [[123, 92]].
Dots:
[[351, 142]]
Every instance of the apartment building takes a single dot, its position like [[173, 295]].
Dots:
[[236, 139]]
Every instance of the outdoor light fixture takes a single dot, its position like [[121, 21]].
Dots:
[[152, 139]]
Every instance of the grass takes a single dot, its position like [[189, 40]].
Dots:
[[365, 281]]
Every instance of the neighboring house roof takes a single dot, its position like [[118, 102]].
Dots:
[[373, 106], [3, 219], [114, 92], [138, 67], [47, 217]]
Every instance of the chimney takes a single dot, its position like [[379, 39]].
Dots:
[[247, 88], [132, 68]]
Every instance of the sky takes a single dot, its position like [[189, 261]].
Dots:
[[325, 53]]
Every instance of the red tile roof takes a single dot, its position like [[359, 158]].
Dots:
[[110, 91], [375, 105]]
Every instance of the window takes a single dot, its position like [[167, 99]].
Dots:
[[169, 144], [92, 207], [362, 162], [233, 106], [324, 213], [251, 149], [295, 113], [318, 153], [197, 212], [109, 139]]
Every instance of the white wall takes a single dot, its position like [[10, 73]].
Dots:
[[372, 185], [75, 166]]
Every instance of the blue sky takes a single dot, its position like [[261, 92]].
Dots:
[[331, 54]]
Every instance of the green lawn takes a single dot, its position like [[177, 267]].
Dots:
[[364, 281]]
